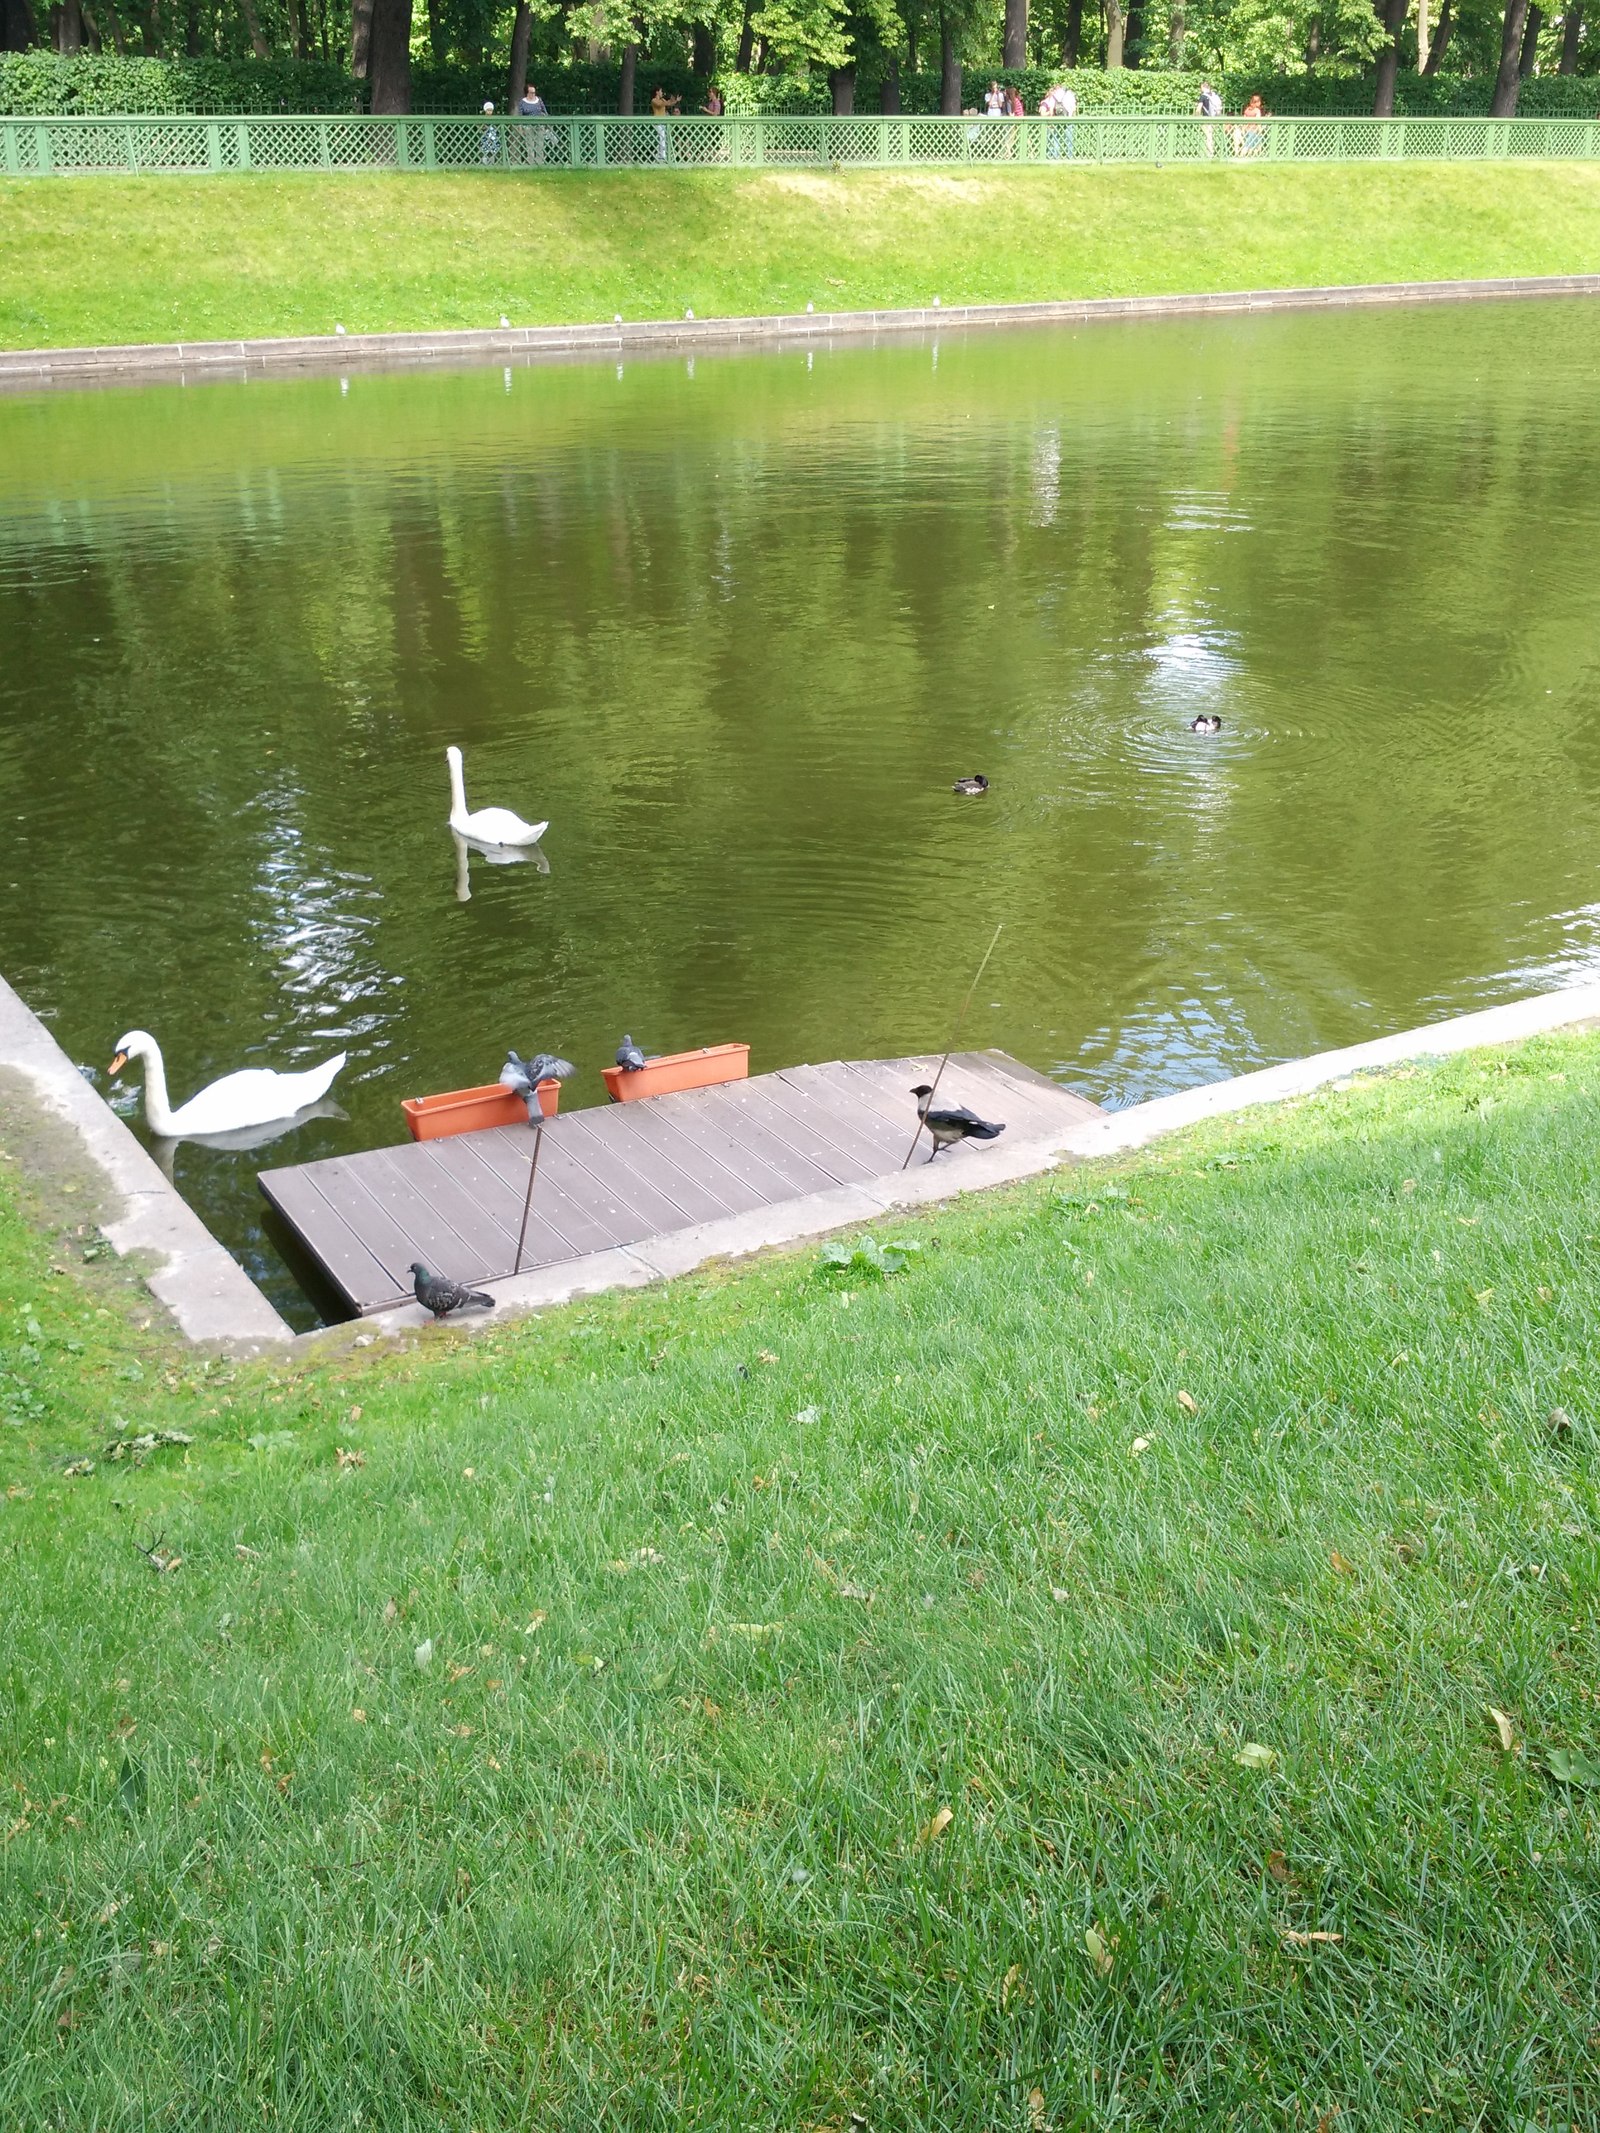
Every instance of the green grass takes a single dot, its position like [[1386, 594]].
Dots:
[[734, 1588], [154, 259]]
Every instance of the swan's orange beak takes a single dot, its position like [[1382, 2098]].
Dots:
[[118, 1063]]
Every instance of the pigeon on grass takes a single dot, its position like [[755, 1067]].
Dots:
[[441, 1297], [951, 1123]]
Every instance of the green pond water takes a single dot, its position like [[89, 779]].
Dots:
[[734, 625]]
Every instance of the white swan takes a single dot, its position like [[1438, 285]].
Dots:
[[255, 1097], [488, 825]]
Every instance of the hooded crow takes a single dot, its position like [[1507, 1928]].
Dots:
[[952, 1123]]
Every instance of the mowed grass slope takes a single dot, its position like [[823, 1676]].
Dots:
[[1051, 1685], [153, 259]]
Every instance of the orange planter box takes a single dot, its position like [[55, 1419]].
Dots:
[[679, 1070], [434, 1118]]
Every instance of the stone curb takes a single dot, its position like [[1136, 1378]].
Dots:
[[818, 1214], [208, 1293], [25, 368]]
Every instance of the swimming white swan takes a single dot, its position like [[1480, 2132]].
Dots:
[[488, 825], [254, 1097]]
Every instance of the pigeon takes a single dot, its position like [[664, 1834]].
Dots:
[[629, 1056], [545, 1066], [442, 1297], [972, 786], [954, 1124]]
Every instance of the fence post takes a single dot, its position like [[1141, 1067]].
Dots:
[[599, 144], [130, 145], [430, 155], [323, 155], [244, 145], [213, 145], [8, 148], [42, 143]]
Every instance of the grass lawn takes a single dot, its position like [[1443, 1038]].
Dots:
[[155, 259], [1049, 1686]]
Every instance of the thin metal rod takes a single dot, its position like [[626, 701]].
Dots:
[[950, 1047], [533, 1172]]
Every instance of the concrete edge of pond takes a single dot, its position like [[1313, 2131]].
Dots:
[[30, 369], [208, 1294], [819, 1214]]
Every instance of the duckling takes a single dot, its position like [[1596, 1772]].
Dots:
[[1207, 722], [975, 784]]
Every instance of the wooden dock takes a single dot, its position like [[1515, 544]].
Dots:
[[631, 1179]]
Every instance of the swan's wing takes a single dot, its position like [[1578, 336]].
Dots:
[[498, 825], [253, 1097]]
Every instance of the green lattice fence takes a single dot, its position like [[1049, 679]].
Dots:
[[32, 147]]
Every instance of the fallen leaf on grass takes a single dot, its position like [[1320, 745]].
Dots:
[[1099, 1951], [1569, 1766], [1014, 1988], [847, 1591], [1139, 1446], [1278, 1867], [150, 1440], [358, 1717], [1503, 1726], [536, 1622], [1188, 1403], [78, 1468], [424, 1652], [1307, 1940], [348, 1458], [1341, 1563], [765, 1355], [932, 1831], [1060, 1595], [1037, 2122], [756, 1630], [247, 1554], [1255, 1755]]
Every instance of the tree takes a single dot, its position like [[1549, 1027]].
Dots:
[[1530, 41], [1392, 14], [389, 58], [1014, 42], [521, 32], [1572, 31], [1116, 32], [1503, 104], [949, 66], [16, 25]]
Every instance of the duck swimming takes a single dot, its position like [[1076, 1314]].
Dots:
[[975, 784], [1207, 722]]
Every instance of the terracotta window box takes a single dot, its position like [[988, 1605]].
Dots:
[[679, 1070], [434, 1118]]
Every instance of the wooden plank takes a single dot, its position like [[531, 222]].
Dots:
[[731, 1110], [598, 1157], [1007, 1074], [361, 1280], [659, 1149], [491, 1169], [851, 1126], [431, 1233], [1023, 1116], [817, 1133], [339, 1179], [738, 1169]]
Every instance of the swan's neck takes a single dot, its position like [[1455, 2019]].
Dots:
[[458, 795], [157, 1107]]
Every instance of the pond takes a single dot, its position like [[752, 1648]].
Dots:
[[734, 625]]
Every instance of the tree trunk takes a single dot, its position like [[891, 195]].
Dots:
[[438, 34], [297, 29], [889, 99], [1572, 24], [1313, 45], [1116, 33], [1177, 36], [69, 27], [1441, 37], [389, 59], [949, 69], [1072, 43], [1392, 14], [191, 29], [252, 23], [1422, 36], [1014, 50], [630, 74], [16, 25], [741, 65], [1530, 41], [360, 38], [704, 56], [1133, 34], [521, 32], [842, 82], [1504, 103]]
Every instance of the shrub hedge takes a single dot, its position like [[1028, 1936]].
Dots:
[[38, 84]]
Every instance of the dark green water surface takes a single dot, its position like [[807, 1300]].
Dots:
[[734, 626]]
